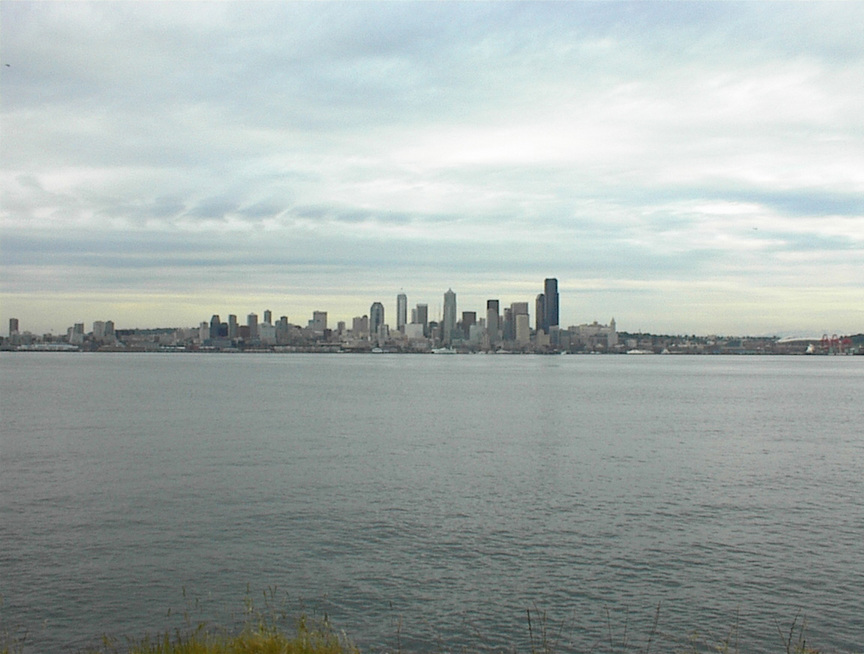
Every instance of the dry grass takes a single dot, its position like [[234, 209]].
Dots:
[[270, 631], [257, 637]]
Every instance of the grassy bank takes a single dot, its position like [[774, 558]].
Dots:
[[262, 631], [270, 631], [257, 638]]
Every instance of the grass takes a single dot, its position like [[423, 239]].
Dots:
[[264, 631], [270, 631], [309, 638]]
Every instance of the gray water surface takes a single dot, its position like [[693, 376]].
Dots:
[[427, 503]]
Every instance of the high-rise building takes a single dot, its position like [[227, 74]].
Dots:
[[422, 317], [448, 327], [267, 333], [376, 318], [268, 317], [512, 321], [519, 308], [360, 327], [492, 320], [550, 292], [282, 330], [76, 334], [508, 330], [252, 323], [523, 329], [540, 314], [469, 319], [382, 336], [232, 326], [215, 322], [434, 331], [414, 331], [319, 321], [13, 326], [401, 312]]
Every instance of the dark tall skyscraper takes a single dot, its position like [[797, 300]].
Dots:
[[540, 314], [546, 307], [469, 318], [376, 319], [550, 293], [401, 312], [422, 317], [215, 324]]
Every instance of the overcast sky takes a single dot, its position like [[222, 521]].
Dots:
[[683, 167]]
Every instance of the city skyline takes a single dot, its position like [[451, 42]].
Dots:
[[683, 167], [506, 332], [448, 316], [492, 311]]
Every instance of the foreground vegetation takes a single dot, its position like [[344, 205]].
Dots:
[[270, 631], [260, 638]]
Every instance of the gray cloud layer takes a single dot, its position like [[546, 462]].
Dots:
[[692, 166]]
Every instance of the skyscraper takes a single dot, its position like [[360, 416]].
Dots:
[[517, 309], [281, 330], [523, 331], [401, 312], [252, 324], [550, 291], [492, 320], [13, 326], [376, 319], [508, 329], [360, 327], [422, 312], [319, 321], [469, 319], [76, 335], [448, 328], [540, 314]]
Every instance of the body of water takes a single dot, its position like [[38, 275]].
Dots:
[[427, 503]]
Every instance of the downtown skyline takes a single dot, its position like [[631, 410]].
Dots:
[[683, 167], [445, 315]]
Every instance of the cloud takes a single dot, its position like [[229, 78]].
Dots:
[[426, 145]]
